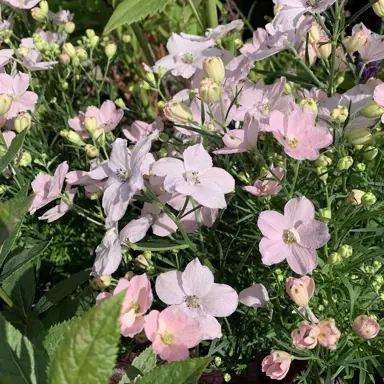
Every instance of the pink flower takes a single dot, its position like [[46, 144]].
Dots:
[[241, 140], [298, 134], [107, 116], [329, 334], [196, 177], [373, 49], [255, 296], [140, 129], [21, 4], [300, 290], [366, 327], [48, 188], [306, 336], [172, 333], [195, 293], [276, 365], [259, 38], [16, 87], [8, 137], [269, 187], [314, 93], [378, 96], [294, 236], [5, 56], [33, 61], [307, 311], [60, 17]]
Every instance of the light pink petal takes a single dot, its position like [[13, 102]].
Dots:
[[255, 296], [273, 251], [220, 177], [210, 327], [221, 301], [136, 327], [127, 319], [112, 205], [252, 129], [168, 166], [123, 284], [176, 351], [164, 226], [378, 94], [272, 224], [6, 82], [209, 195], [197, 279], [313, 234], [8, 137], [302, 260], [26, 102], [103, 296], [135, 230], [299, 210], [191, 334], [169, 288], [20, 84], [255, 191], [234, 138], [120, 156], [319, 137], [151, 325], [197, 159]]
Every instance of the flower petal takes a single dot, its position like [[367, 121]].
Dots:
[[220, 177], [169, 288], [313, 234], [272, 224], [221, 301], [197, 158], [302, 260], [164, 225], [210, 326], [273, 251], [299, 210], [255, 296], [135, 230], [197, 279]]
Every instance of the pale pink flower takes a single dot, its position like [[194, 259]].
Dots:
[[298, 134], [294, 236], [255, 296], [21, 4], [269, 187], [276, 365], [48, 188], [306, 336], [60, 210], [5, 56], [82, 178], [329, 334], [60, 17], [373, 49], [140, 129], [366, 327], [300, 290], [241, 140], [172, 333], [33, 61], [378, 96], [196, 177], [8, 137], [107, 116], [259, 38], [195, 293], [314, 93], [77, 124], [16, 87]]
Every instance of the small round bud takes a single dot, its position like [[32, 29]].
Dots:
[[110, 50], [69, 27], [64, 85], [345, 163], [227, 377], [370, 153], [325, 214], [178, 112], [44, 6], [322, 172], [360, 167], [38, 14], [120, 103], [309, 103], [22, 121], [93, 195], [218, 361], [368, 199], [334, 258], [213, 68], [209, 91], [81, 54], [355, 197], [90, 123], [150, 77], [101, 282], [372, 110], [74, 138], [25, 159], [323, 48], [127, 38], [5, 103], [377, 265], [64, 59], [323, 161], [320, 308], [69, 49], [345, 251], [379, 279], [91, 151], [94, 40], [378, 8], [339, 114], [3, 188], [359, 136], [75, 61], [90, 33]]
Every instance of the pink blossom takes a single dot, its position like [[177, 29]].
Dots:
[[60, 17], [16, 87], [196, 177], [276, 365], [33, 61], [373, 49], [21, 4], [329, 334], [264, 188], [314, 93], [300, 290], [140, 129], [8, 137], [378, 96], [298, 134], [82, 178], [195, 293], [366, 327], [259, 38], [5, 56], [294, 236], [172, 333], [255, 296], [107, 116], [306, 336], [48, 188], [307, 311]]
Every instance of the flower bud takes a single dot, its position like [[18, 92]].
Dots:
[[5, 103], [209, 91], [365, 327], [90, 123], [345, 251], [38, 14], [360, 167], [314, 33], [69, 49], [161, 72], [323, 161], [276, 365], [218, 361], [94, 40], [127, 38], [368, 199], [64, 59], [22, 121], [90, 33], [370, 153], [325, 214], [372, 110], [75, 61], [120, 103], [334, 258], [74, 138], [345, 163], [310, 104], [227, 377], [323, 48], [378, 7], [300, 290], [93, 195], [355, 42], [25, 159], [339, 114], [150, 77], [322, 172], [359, 136], [91, 151], [81, 54], [178, 112], [44, 6], [213, 68], [355, 197], [110, 50], [69, 27], [101, 282]]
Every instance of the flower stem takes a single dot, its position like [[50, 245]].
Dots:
[[196, 13], [211, 10], [297, 167], [143, 42], [335, 37]]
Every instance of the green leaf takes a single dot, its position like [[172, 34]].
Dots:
[[21, 259], [146, 361], [16, 145], [130, 11], [11, 214], [180, 372], [54, 336], [61, 290], [88, 349], [20, 361], [159, 245]]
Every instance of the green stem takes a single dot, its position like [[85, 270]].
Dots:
[[211, 10], [297, 167], [335, 37], [5, 297], [198, 18], [143, 42]]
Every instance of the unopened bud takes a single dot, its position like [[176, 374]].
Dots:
[[161, 72], [44, 6], [120, 103], [323, 48], [355, 197], [309, 103], [213, 68], [355, 42], [69, 27], [64, 59], [322, 172], [368, 199], [91, 151], [323, 161], [339, 114], [209, 91], [314, 34], [101, 282], [366, 327], [94, 40], [359, 136], [345, 163], [5, 103], [90, 123], [127, 38], [74, 138], [370, 153], [93, 195], [22, 121], [150, 77], [81, 54], [218, 361], [110, 50], [75, 61], [334, 258], [38, 14], [69, 49], [25, 159], [227, 377], [378, 8], [325, 214], [372, 110], [178, 112], [360, 167], [90, 33], [345, 251]]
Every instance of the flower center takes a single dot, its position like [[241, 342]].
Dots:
[[192, 302], [312, 3], [192, 177], [188, 58], [136, 308], [123, 175], [289, 236], [167, 338], [293, 143]]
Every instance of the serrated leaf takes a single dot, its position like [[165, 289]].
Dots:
[[54, 336], [11, 214], [180, 372], [20, 361], [15, 147], [146, 361], [88, 349], [18, 261], [130, 11], [61, 290]]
